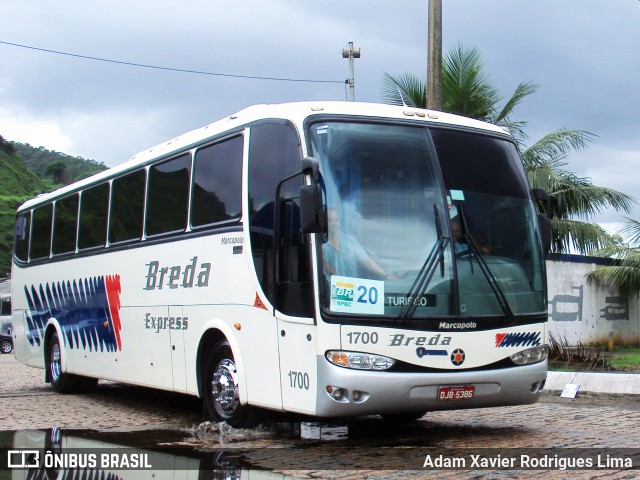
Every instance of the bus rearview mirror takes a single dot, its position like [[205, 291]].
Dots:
[[311, 218]]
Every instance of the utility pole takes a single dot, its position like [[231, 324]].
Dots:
[[434, 67], [350, 52]]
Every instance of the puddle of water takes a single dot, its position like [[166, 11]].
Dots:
[[224, 452]]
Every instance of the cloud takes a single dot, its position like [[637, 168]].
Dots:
[[109, 112], [37, 133]]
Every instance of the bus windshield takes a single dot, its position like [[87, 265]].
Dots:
[[422, 233]]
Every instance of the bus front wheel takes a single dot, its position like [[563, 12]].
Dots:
[[221, 389]]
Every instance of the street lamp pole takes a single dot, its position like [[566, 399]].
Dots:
[[351, 52]]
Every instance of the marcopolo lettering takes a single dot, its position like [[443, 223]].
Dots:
[[177, 276], [457, 325], [400, 339]]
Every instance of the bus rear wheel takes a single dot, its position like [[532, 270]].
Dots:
[[221, 389], [64, 382], [60, 382]]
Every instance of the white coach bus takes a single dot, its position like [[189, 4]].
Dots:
[[331, 259]]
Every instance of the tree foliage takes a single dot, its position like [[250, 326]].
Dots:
[[39, 159], [624, 275], [18, 183]]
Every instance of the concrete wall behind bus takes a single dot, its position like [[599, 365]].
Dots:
[[582, 312]]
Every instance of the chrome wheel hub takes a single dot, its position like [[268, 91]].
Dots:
[[224, 388], [55, 363]]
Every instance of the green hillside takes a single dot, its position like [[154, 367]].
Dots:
[[19, 182], [58, 167]]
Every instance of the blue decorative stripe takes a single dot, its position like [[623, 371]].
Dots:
[[521, 339], [81, 308]]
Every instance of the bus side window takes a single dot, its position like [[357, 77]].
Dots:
[[168, 196], [217, 183], [22, 236], [94, 207], [41, 232], [274, 154], [65, 225], [127, 207]]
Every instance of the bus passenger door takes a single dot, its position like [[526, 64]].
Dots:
[[294, 306], [177, 325]]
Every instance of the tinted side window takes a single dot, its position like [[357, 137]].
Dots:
[[65, 225], [168, 196], [41, 232], [23, 222], [274, 154], [217, 183], [127, 207], [94, 207], [6, 307]]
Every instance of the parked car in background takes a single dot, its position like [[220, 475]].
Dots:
[[6, 327], [6, 343]]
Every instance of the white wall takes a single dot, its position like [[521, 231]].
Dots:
[[581, 312]]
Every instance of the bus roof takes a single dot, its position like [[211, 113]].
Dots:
[[296, 112]]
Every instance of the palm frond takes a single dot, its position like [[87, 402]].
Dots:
[[623, 278], [632, 231], [406, 89], [555, 146], [466, 89], [523, 90], [581, 237]]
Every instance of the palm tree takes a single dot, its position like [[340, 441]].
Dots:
[[624, 275], [468, 91], [573, 200]]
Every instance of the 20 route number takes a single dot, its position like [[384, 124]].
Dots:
[[368, 295]]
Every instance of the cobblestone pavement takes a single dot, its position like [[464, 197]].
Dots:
[[551, 424]]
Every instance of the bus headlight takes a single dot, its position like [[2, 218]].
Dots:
[[359, 361], [531, 355]]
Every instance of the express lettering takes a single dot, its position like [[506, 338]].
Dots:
[[177, 276], [164, 323], [400, 339]]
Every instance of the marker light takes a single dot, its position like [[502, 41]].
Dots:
[[531, 355], [359, 361]]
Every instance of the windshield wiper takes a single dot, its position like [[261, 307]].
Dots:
[[486, 271], [427, 271]]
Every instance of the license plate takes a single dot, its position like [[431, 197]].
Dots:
[[456, 393]]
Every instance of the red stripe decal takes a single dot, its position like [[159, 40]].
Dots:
[[112, 283]]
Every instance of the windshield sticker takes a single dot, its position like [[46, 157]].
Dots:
[[457, 195], [322, 130], [357, 295], [453, 210]]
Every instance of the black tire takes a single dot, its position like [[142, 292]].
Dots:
[[6, 346], [221, 391], [60, 382]]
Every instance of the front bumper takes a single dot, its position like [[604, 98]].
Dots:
[[370, 392]]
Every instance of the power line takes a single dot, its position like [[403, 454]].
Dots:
[[170, 69]]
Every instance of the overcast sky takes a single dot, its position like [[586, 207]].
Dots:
[[584, 54]]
